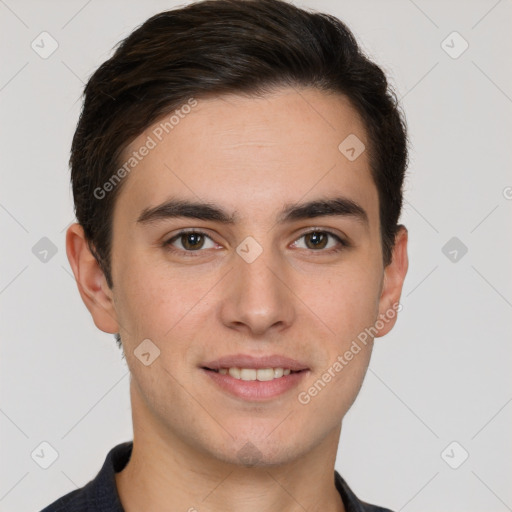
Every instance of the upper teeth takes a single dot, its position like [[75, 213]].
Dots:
[[255, 374]]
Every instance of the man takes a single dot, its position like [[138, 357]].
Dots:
[[237, 174]]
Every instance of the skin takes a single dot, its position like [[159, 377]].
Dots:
[[248, 155]]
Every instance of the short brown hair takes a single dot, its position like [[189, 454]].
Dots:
[[227, 46]]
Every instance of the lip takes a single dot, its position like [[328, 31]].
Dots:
[[255, 390], [248, 361]]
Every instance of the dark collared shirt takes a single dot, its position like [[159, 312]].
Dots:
[[100, 494]]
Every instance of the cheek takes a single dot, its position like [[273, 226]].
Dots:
[[163, 308], [154, 298], [330, 393], [347, 302], [162, 304]]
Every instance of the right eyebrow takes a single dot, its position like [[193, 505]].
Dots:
[[181, 208]]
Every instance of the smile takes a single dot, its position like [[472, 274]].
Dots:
[[255, 385], [261, 374]]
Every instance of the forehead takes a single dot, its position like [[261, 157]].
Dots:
[[251, 154]]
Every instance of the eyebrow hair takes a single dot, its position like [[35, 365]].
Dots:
[[173, 208]]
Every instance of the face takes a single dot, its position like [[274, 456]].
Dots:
[[257, 280]]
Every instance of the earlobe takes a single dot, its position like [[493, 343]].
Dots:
[[394, 276], [90, 280]]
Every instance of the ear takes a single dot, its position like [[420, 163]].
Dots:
[[394, 275], [92, 285]]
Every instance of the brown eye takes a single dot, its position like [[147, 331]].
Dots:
[[317, 240], [190, 241], [320, 241]]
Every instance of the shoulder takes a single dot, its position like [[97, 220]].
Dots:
[[351, 501], [101, 492]]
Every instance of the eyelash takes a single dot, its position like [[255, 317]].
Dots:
[[168, 244]]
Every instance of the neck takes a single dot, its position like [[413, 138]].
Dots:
[[166, 474]]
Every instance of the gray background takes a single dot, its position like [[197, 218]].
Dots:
[[442, 375]]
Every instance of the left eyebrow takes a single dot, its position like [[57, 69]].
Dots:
[[337, 206]]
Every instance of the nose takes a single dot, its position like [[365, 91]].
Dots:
[[257, 297]]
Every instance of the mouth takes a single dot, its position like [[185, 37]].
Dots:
[[255, 384], [253, 374], [255, 378]]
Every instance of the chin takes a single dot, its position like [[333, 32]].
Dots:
[[258, 451]]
